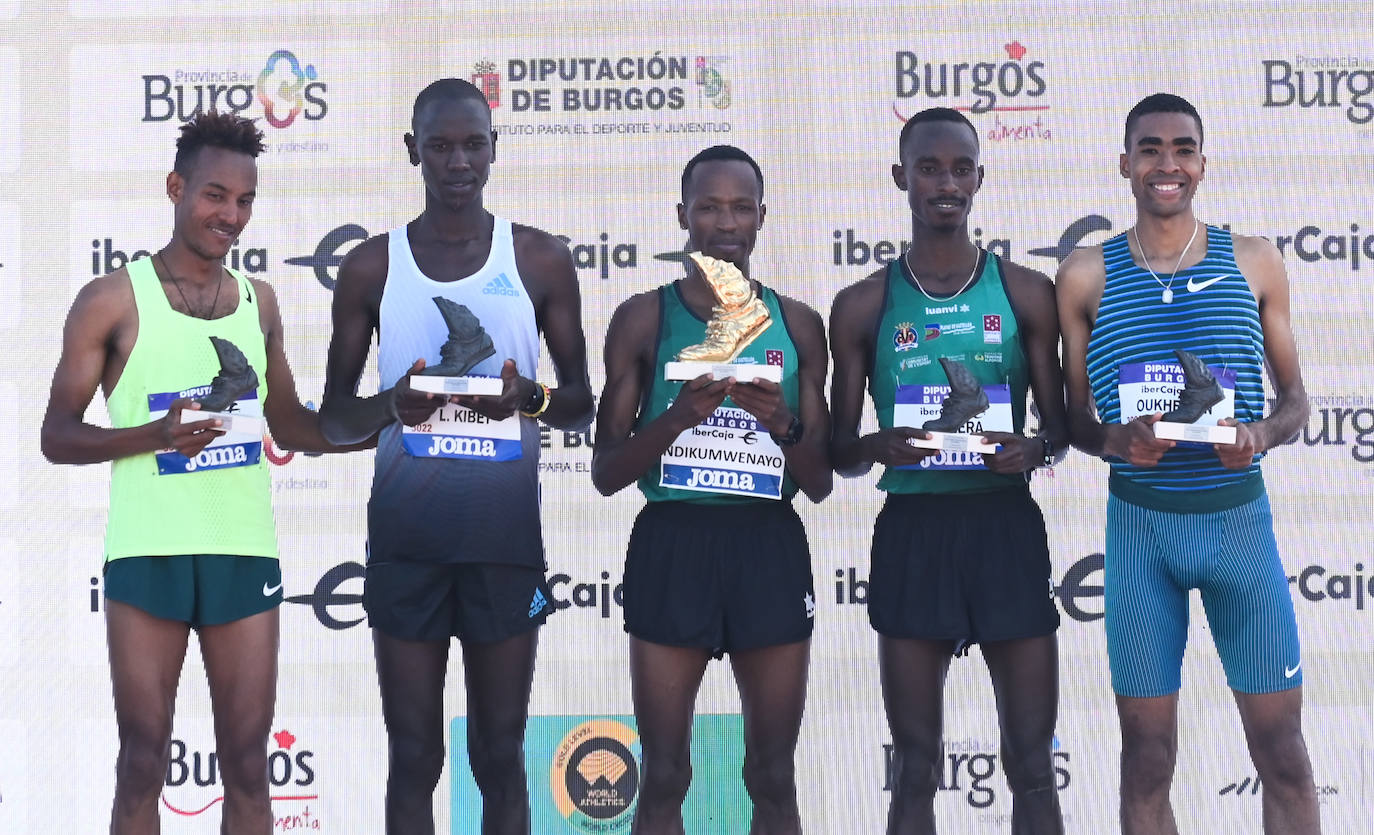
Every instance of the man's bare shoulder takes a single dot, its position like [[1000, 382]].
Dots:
[[530, 240], [368, 258], [1012, 271], [1085, 265], [1256, 250], [111, 294], [867, 290]]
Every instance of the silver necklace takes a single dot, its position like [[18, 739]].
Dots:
[[1168, 294], [906, 256]]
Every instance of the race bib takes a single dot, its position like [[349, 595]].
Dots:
[[458, 432], [915, 404], [231, 449], [729, 453], [1148, 387]]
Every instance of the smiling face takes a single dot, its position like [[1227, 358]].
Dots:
[[940, 174], [1164, 162], [454, 147], [722, 210], [214, 201]]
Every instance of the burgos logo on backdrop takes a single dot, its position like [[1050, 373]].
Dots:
[[1015, 83], [284, 88], [194, 785]]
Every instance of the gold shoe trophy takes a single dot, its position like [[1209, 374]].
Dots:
[[467, 344], [735, 322], [1199, 394], [965, 401]]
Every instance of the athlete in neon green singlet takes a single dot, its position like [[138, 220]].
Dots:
[[190, 540]]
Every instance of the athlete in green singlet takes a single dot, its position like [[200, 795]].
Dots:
[[190, 542], [960, 553]]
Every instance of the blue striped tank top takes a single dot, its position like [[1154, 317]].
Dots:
[[1213, 315]]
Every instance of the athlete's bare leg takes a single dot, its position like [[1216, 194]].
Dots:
[[241, 667], [1273, 730], [499, 676], [411, 676], [1025, 678], [664, 682], [913, 679], [1149, 749], [772, 690], [146, 654]]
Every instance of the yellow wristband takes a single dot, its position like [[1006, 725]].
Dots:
[[543, 406]]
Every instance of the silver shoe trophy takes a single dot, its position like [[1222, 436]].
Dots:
[[965, 401], [467, 344], [1200, 392], [235, 379]]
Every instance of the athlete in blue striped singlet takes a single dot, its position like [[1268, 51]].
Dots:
[[1183, 517], [454, 541]]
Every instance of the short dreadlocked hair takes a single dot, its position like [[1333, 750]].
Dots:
[[212, 129]]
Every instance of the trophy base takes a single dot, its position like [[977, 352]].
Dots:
[[1200, 433], [743, 372], [231, 421], [457, 385], [953, 442]]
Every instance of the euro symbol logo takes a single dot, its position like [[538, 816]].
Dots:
[[326, 256], [1073, 589], [326, 594], [749, 437], [1073, 236]]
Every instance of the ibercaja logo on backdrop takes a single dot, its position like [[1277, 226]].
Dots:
[[1003, 89], [583, 775], [634, 93]]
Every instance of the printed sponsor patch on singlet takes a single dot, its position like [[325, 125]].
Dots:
[[231, 449], [458, 432], [730, 452]]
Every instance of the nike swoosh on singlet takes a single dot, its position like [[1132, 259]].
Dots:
[[268, 591], [1290, 672], [1195, 286]]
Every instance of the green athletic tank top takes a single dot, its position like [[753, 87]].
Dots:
[[976, 327], [729, 451], [162, 503]]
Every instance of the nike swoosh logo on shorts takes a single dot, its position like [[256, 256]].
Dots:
[[1289, 672], [1195, 286], [268, 591]]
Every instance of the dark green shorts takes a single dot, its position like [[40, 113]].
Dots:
[[199, 589]]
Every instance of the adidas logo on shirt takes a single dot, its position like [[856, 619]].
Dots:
[[500, 286]]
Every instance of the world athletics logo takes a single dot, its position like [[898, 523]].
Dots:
[[583, 775]]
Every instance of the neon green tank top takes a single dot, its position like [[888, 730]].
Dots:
[[162, 503], [729, 458], [976, 327]]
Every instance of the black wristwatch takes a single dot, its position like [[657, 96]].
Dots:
[[792, 436], [1047, 450]]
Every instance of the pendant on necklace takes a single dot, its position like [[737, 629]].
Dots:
[[1167, 295]]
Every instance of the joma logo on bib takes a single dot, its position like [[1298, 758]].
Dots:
[[217, 457], [722, 479], [454, 445]]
